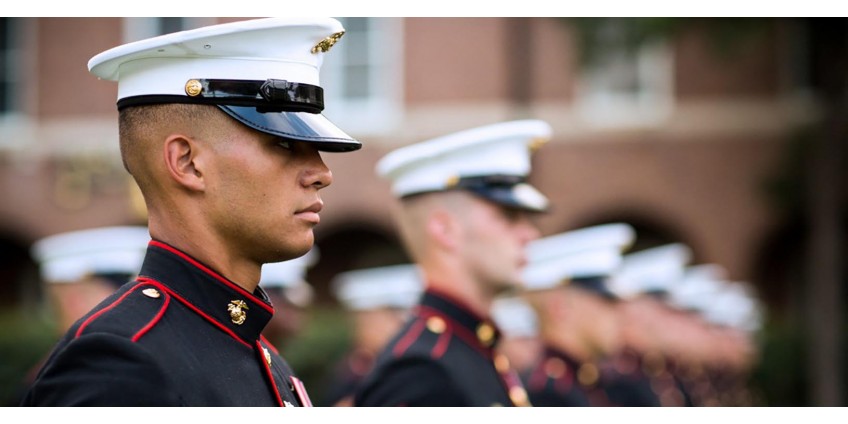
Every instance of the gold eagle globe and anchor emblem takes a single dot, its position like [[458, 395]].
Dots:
[[324, 45], [237, 309]]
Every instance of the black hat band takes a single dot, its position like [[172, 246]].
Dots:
[[271, 95]]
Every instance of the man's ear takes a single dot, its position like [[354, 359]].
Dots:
[[181, 160], [443, 228]]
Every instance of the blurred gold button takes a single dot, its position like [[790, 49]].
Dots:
[[501, 363], [518, 396], [486, 334], [436, 325], [588, 374]]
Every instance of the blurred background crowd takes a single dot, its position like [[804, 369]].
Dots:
[[719, 137]]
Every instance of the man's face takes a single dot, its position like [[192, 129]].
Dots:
[[494, 242], [263, 193], [603, 321]]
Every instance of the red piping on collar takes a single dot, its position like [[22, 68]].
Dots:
[[165, 289], [269, 344], [211, 273], [459, 302]]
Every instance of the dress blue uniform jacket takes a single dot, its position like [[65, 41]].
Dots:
[[630, 382], [555, 380], [443, 356], [179, 335]]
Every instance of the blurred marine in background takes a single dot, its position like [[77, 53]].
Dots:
[[465, 219], [567, 283], [378, 302], [81, 268]]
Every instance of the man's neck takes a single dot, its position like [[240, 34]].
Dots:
[[459, 285], [208, 249]]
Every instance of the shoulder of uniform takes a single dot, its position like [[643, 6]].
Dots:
[[427, 336], [130, 312], [411, 380]]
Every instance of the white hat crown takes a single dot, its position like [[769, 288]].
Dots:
[[498, 150], [583, 253], [394, 286], [69, 256]]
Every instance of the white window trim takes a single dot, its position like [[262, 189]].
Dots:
[[380, 114], [16, 126], [651, 106]]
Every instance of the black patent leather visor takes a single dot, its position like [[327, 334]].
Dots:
[[303, 126], [597, 285], [509, 191]]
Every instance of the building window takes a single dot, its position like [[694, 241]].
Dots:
[[140, 28], [362, 77], [624, 85], [9, 61]]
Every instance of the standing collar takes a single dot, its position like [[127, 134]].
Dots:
[[207, 292]]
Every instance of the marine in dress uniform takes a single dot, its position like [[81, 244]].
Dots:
[[209, 118], [81, 268], [465, 220], [377, 301], [715, 312], [566, 282], [643, 374], [736, 316]]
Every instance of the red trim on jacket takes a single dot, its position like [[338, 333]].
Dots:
[[406, 341], [193, 308], [538, 377], [457, 329], [269, 344], [103, 311], [267, 367], [154, 321], [211, 273], [442, 344], [459, 302]]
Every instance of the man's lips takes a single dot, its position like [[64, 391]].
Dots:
[[311, 213]]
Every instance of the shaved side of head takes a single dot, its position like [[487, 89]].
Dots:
[[142, 129], [415, 211]]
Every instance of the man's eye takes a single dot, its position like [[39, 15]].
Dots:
[[285, 144], [512, 215]]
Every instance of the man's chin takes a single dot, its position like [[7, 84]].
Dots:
[[288, 253]]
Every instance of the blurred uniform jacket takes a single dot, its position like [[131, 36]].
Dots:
[[180, 335], [631, 379], [345, 379], [443, 356], [558, 380]]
